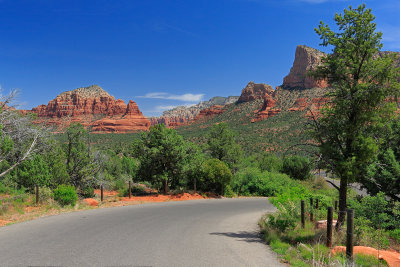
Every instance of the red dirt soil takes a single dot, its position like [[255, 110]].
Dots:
[[91, 202], [391, 257], [164, 198]]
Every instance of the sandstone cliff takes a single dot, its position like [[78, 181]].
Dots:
[[254, 91], [93, 107], [306, 59]]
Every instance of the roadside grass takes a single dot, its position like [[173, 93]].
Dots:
[[299, 246]]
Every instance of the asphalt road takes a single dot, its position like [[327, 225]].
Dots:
[[217, 232]]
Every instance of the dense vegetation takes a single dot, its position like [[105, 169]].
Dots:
[[229, 156]]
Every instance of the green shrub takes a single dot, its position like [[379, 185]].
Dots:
[[285, 219], [87, 192], [135, 190], [216, 176], [297, 167], [271, 163], [252, 181], [119, 185], [228, 191], [3, 189], [395, 234], [65, 195], [45, 195]]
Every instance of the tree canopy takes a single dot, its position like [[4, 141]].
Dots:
[[361, 82]]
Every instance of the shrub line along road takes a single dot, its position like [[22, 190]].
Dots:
[[212, 232]]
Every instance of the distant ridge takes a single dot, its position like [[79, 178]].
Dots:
[[182, 114]]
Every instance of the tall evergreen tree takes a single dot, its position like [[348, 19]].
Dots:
[[361, 82]]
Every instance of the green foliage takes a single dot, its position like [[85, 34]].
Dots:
[[45, 195], [383, 175], [228, 192], [33, 172], [65, 195], [87, 192], [192, 169], [221, 144], [297, 167], [270, 162], [285, 219], [395, 234], [216, 176], [161, 153], [252, 181], [78, 159], [357, 112], [279, 247], [377, 211], [6, 143]]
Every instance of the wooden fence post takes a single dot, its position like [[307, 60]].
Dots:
[[101, 193], [130, 189], [311, 209], [329, 227], [303, 221], [349, 237], [336, 202], [317, 203], [37, 195]]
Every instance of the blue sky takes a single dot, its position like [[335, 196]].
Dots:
[[162, 53]]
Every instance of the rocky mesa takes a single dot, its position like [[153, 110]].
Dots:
[[93, 107]]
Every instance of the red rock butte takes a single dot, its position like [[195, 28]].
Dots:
[[92, 107]]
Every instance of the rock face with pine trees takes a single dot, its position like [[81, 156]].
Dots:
[[92, 107]]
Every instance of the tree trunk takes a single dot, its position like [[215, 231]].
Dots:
[[165, 187], [342, 203]]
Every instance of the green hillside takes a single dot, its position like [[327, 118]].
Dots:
[[276, 134]]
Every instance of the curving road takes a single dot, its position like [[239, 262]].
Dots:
[[217, 232]]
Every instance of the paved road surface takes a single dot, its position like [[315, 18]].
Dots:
[[217, 232]]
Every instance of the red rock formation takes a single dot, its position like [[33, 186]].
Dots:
[[299, 105], [94, 107], [170, 122], [255, 91], [210, 112], [306, 59], [267, 110]]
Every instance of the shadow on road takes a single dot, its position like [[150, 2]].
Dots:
[[249, 237]]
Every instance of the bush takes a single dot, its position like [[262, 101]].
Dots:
[[297, 167], [87, 192], [216, 176], [65, 195], [395, 234], [228, 191], [251, 181], [271, 163], [135, 190], [45, 194]]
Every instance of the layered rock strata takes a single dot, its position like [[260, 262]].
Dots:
[[93, 107], [306, 59], [254, 91]]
